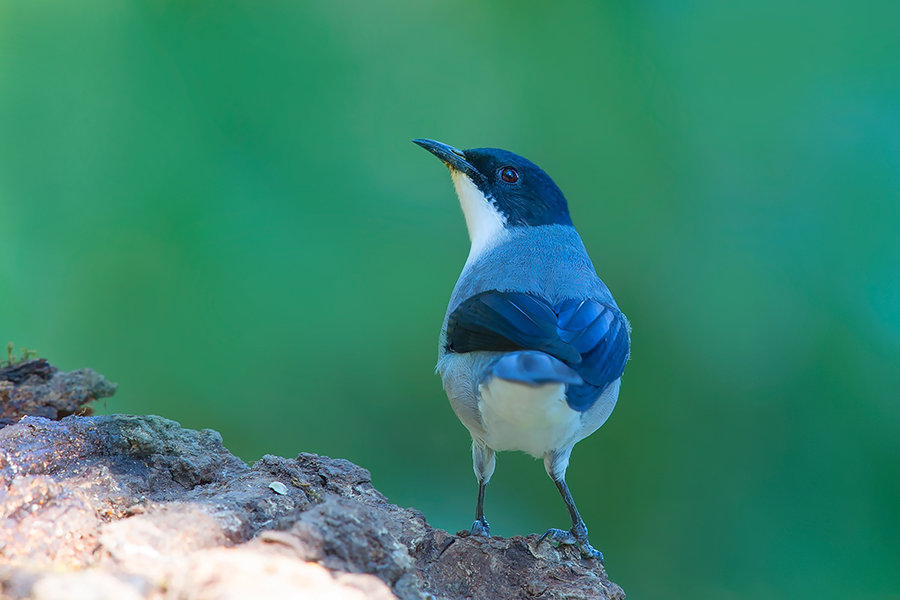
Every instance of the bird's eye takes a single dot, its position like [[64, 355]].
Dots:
[[509, 175]]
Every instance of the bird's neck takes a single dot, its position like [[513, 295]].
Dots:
[[486, 225]]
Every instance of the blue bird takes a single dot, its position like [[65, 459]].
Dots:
[[533, 345]]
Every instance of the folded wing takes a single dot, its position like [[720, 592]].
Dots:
[[590, 337]]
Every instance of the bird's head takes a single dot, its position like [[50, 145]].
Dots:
[[499, 190]]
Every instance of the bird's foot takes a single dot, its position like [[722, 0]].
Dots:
[[561, 537], [481, 527]]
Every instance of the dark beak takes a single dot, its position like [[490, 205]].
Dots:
[[450, 156]]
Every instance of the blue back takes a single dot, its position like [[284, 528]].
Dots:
[[537, 290]]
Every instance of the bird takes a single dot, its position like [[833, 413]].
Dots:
[[533, 346]]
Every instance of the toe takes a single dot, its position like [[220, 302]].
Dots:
[[588, 551], [481, 527], [558, 537]]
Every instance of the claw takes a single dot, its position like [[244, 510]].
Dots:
[[561, 537], [588, 551], [481, 527]]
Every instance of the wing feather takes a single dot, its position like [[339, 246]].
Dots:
[[590, 337]]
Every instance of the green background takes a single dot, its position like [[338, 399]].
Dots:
[[216, 204]]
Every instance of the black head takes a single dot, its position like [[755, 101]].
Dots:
[[516, 187]]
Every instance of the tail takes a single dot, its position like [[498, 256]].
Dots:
[[533, 368]]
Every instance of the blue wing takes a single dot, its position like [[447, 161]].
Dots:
[[588, 336], [600, 334], [505, 322]]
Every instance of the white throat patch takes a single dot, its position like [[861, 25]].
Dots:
[[485, 223]]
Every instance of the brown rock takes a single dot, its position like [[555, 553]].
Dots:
[[34, 387], [137, 507]]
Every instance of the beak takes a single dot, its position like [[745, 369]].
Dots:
[[450, 156]]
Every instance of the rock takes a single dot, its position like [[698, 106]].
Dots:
[[137, 507], [90, 584], [34, 387]]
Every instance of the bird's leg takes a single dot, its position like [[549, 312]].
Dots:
[[483, 463], [556, 463], [578, 535], [480, 526]]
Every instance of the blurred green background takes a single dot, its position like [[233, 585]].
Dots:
[[216, 204]]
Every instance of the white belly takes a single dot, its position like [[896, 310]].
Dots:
[[533, 419]]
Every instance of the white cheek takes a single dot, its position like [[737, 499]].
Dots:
[[484, 222]]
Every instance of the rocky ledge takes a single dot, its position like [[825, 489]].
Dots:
[[125, 507]]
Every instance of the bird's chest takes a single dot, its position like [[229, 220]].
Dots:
[[533, 419]]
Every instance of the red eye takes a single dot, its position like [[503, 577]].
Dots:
[[509, 175]]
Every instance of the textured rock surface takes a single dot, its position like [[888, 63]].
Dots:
[[36, 388], [136, 507]]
